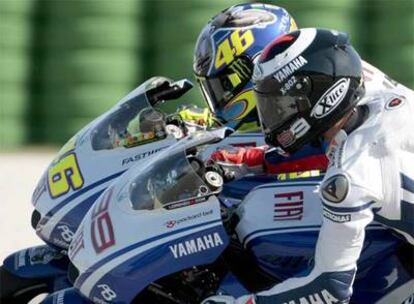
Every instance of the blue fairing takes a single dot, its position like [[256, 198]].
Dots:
[[334, 284], [37, 262], [284, 255], [66, 296], [231, 285], [136, 273], [238, 189], [386, 275], [73, 218], [287, 254]]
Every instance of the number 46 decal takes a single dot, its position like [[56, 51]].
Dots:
[[238, 42], [64, 175]]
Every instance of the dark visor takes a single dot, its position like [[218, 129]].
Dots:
[[275, 110], [218, 91]]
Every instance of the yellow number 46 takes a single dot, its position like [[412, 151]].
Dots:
[[64, 175], [238, 42]]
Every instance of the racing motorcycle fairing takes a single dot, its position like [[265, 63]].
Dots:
[[129, 133], [156, 219], [37, 262], [279, 223], [67, 295]]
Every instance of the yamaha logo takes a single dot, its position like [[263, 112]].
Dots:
[[331, 99]]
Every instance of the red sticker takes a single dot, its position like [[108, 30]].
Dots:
[[394, 103]]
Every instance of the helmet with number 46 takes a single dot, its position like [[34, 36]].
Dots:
[[224, 54]]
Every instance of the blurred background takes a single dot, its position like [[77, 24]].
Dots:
[[62, 63]]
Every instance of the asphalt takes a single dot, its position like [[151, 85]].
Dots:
[[19, 173]]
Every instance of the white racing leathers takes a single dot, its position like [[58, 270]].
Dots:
[[371, 177]]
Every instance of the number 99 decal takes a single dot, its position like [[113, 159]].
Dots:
[[64, 175]]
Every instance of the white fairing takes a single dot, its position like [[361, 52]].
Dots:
[[98, 164], [118, 224], [98, 169], [146, 224], [279, 208]]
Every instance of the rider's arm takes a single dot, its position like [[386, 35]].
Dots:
[[307, 158], [347, 210], [258, 160]]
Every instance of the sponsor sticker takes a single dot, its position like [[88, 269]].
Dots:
[[297, 129], [321, 297], [140, 156], [335, 217], [176, 222], [286, 71], [106, 292], [394, 103], [286, 138], [196, 245], [288, 85], [335, 189], [331, 99], [288, 206]]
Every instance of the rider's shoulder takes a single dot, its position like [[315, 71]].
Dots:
[[344, 190]]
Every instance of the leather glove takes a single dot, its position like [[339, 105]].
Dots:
[[196, 118], [240, 161]]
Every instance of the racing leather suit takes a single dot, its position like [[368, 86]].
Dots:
[[370, 177]]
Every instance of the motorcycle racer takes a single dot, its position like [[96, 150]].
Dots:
[[309, 84], [223, 57], [208, 50]]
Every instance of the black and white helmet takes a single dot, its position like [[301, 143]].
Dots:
[[305, 81]]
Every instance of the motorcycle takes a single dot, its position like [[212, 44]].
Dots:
[[128, 134], [169, 231], [76, 179]]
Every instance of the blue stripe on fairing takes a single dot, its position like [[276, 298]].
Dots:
[[78, 193], [277, 229], [373, 225], [74, 217], [246, 135], [85, 274], [293, 184], [407, 183], [348, 209], [337, 283]]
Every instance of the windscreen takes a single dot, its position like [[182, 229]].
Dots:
[[168, 179], [133, 123]]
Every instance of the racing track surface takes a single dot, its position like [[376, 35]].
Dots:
[[19, 173]]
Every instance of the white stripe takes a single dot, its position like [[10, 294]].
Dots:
[[408, 196], [399, 294], [408, 237], [263, 70], [91, 281]]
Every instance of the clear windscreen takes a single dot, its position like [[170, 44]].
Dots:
[[132, 123], [167, 180]]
